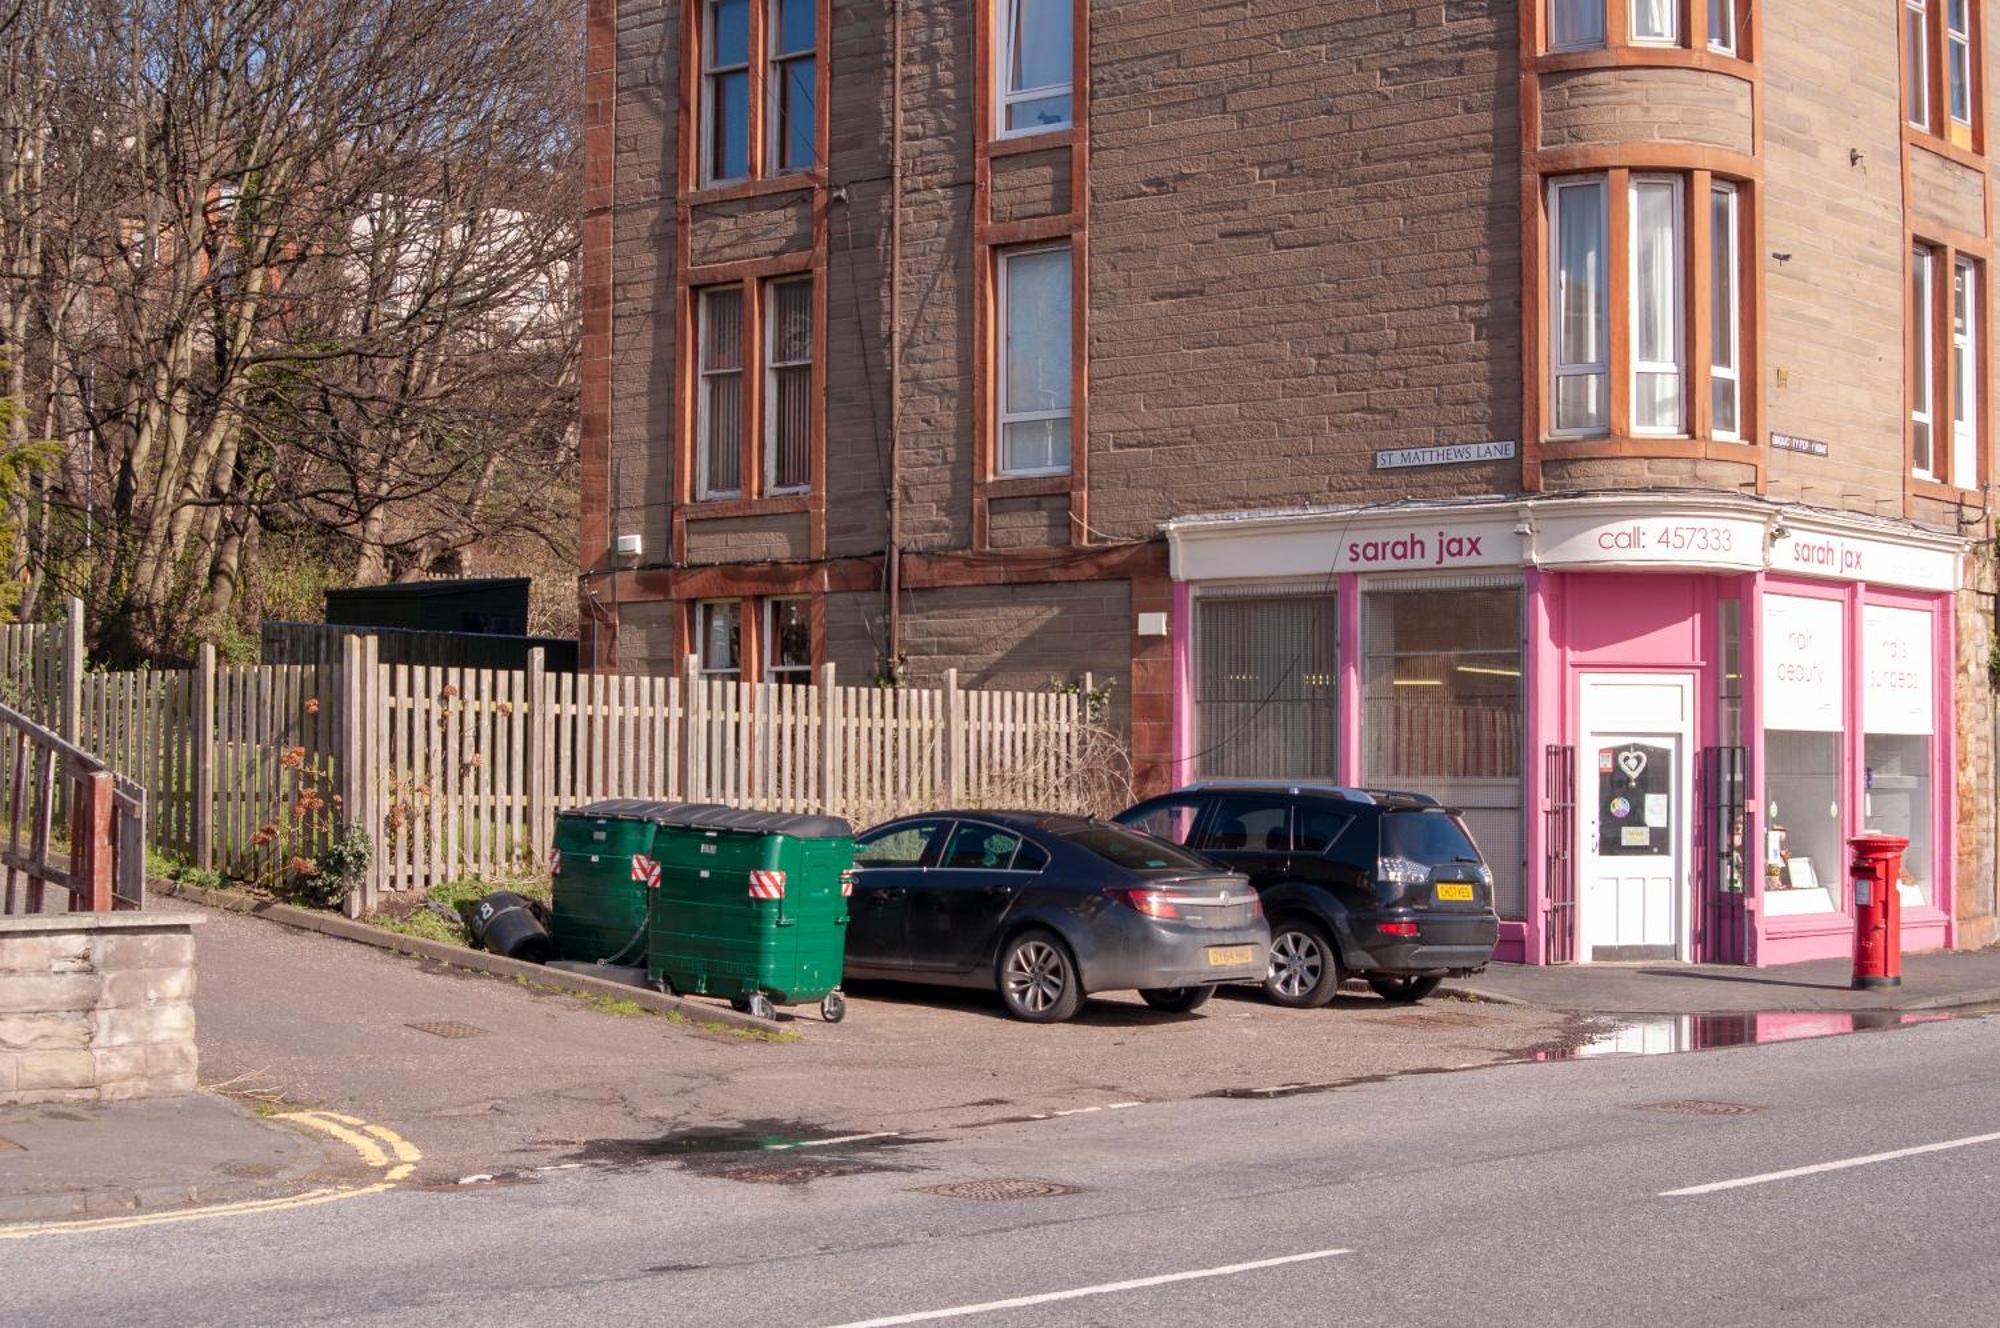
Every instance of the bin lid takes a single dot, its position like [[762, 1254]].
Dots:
[[714, 816]]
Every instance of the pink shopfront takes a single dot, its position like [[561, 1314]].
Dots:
[[1662, 717]]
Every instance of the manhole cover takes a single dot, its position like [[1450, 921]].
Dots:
[[790, 1173], [1695, 1107], [998, 1191], [449, 1028], [9, 1146]]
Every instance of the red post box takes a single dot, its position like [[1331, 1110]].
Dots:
[[1878, 910]]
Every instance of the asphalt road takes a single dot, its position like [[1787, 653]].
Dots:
[[1519, 1194]]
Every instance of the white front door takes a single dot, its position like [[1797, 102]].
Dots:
[[1636, 791]]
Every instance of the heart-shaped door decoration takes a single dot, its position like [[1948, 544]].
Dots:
[[1632, 761]]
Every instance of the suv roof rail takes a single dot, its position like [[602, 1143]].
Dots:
[[1373, 796]]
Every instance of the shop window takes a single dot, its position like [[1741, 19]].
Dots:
[[1264, 686], [1036, 51], [1442, 710], [788, 655], [719, 638], [788, 364], [719, 409], [1034, 387], [1803, 647], [1899, 716]]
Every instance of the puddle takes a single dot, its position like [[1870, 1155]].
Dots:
[[1663, 1035], [781, 1152]]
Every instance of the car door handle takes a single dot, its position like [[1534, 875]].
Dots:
[[997, 891], [883, 896]]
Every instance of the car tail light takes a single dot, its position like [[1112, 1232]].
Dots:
[[1152, 903], [1397, 928], [1402, 871], [1256, 905]]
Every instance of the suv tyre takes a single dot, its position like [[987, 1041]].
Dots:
[[1305, 967]]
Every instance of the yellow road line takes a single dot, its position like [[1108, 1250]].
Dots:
[[365, 1139]]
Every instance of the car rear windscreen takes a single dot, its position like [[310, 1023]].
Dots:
[[1122, 848], [1430, 837]]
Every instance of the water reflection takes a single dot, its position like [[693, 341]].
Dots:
[[1660, 1035]]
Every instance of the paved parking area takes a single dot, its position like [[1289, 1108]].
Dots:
[[537, 1079]]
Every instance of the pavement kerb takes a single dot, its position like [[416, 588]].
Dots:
[[1951, 1001], [460, 956], [1481, 994]]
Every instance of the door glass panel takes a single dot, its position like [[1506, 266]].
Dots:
[[1635, 800], [1171, 821], [1318, 828], [1255, 825]]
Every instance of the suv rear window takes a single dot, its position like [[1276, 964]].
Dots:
[[1121, 848], [1430, 837]]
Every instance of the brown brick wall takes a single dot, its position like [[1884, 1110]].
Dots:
[[749, 539], [1304, 239], [1019, 637]]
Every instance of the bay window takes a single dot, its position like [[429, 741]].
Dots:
[[1656, 22], [1582, 353], [1035, 365], [1035, 50], [1651, 369], [719, 401], [1724, 312], [1576, 25], [1722, 26], [1587, 25], [1658, 346]]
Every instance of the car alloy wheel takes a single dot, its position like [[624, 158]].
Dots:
[[1296, 963], [1038, 981]]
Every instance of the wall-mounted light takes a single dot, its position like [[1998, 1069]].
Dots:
[[1152, 624]]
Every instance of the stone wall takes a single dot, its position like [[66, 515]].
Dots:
[[96, 1007]]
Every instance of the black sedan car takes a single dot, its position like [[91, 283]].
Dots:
[[1047, 909]]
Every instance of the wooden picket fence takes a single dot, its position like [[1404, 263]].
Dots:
[[456, 772]]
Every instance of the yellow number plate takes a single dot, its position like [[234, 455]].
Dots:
[[1229, 956], [1461, 893]]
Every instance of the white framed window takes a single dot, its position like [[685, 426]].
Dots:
[[1656, 22], [1035, 367], [1923, 362], [791, 83], [725, 91], [1576, 25], [1722, 26], [1035, 50], [1579, 226], [1965, 374], [1659, 344], [788, 640], [1917, 63], [788, 366], [718, 638], [719, 398], [1724, 312], [1958, 60]]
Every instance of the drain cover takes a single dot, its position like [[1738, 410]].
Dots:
[[998, 1191], [1696, 1107], [449, 1028]]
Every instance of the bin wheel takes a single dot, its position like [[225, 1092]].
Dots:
[[833, 1007], [761, 1007]]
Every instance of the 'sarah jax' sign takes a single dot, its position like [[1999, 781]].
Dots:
[[1453, 454]]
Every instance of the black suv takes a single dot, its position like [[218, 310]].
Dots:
[[1369, 883]]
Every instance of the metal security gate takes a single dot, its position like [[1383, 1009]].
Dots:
[[1725, 858], [1559, 855]]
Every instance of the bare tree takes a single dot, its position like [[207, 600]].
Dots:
[[289, 265]]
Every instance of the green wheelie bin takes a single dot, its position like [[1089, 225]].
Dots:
[[602, 876], [752, 906]]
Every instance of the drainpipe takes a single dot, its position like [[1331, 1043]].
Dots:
[[894, 553]]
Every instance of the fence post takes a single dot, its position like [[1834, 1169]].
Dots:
[[694, 733], [91, 855], [954, 740], [72, 676], [536, 756], [829, 740], [350, 691], [374, 748], [203, 739]]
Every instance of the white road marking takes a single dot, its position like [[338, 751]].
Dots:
[[838, 1139], [1793, 1172], [1104, 1289]]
